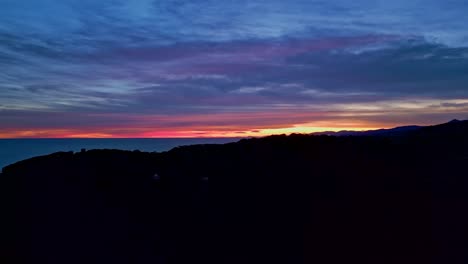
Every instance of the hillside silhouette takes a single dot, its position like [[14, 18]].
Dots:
[[387, 198]]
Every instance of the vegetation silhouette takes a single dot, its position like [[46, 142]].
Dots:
[[382, 198]]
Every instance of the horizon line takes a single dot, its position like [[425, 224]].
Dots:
[[215, 135]]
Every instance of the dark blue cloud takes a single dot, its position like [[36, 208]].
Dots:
[[176, 58]]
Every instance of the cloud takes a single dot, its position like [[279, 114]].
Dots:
[[79, 61]]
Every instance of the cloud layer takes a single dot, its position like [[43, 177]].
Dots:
[[209, 68]]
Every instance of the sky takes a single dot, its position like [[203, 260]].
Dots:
[[189, 68]]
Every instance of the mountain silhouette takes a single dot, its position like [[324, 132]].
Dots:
[[394, 196], [380, 132], [397, 131]]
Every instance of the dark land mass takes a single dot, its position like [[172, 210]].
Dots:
[[278, 199], [380, 132], [397, 131]]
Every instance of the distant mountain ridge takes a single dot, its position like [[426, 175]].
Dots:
[[397, 131]]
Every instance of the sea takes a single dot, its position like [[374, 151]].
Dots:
[[14, 150]]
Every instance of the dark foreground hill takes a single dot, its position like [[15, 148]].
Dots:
[[279, 199]]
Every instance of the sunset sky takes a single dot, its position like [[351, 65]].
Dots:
[[189, 68]]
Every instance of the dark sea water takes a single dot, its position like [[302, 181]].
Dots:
[[14, 150]]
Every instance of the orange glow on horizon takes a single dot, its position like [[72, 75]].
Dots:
[[214, 132], [247, 123]]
